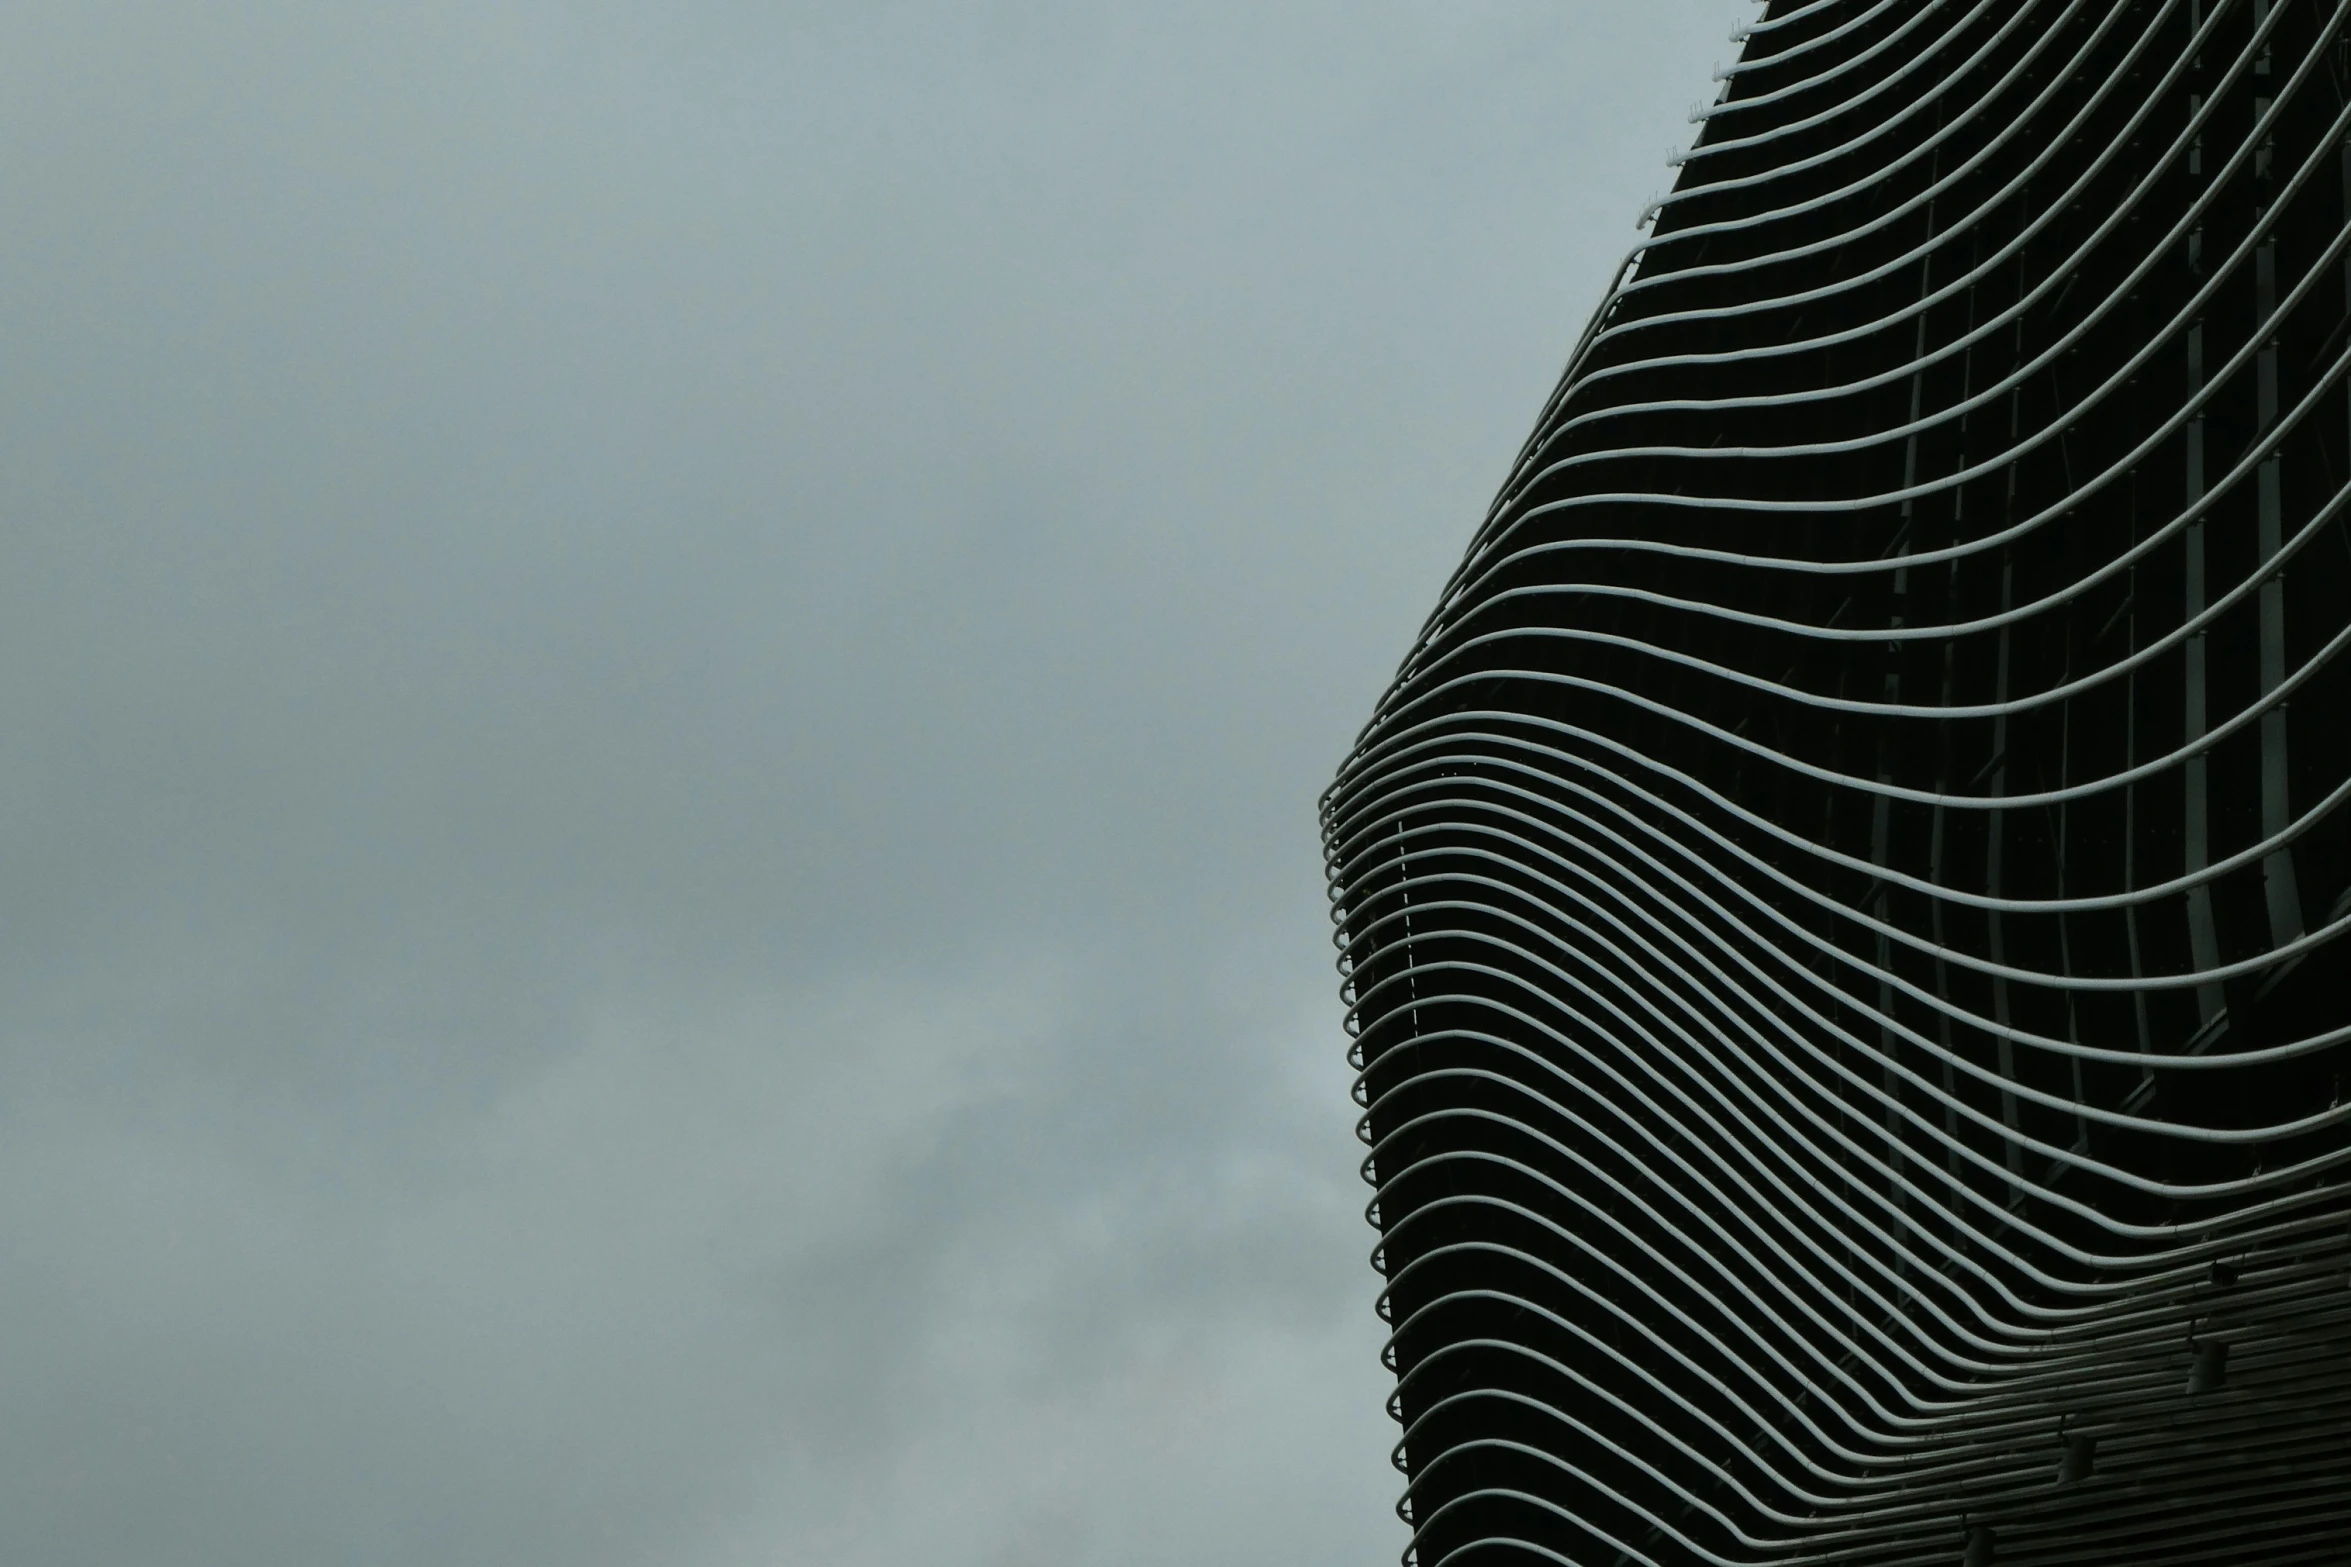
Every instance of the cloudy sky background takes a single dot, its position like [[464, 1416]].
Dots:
[[663, 668]]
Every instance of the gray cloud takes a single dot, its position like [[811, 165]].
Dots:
[[662, 673]]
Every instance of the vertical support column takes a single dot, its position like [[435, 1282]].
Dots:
[[1943, 780], [2277, 867], [1881, 809], [2065, 816], [1995, 845], [2196, 829], [2130, 798], [2203, 934], [1996, 820], [2279, 889]]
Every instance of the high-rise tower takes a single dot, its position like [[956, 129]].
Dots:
[[1843, 907]]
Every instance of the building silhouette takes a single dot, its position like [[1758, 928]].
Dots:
[[1842, 908]]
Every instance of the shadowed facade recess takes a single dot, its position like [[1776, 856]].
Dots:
[[1843, 907]]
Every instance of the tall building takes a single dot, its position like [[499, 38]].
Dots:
[[1843, 907]]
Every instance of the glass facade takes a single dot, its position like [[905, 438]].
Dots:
[[1842, 908]]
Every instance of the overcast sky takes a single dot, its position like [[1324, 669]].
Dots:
[[663, 669]]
